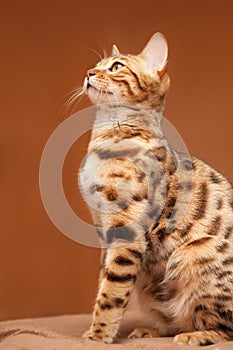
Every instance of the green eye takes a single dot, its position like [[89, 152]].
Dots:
[[116, 66]]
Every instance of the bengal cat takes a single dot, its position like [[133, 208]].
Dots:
[[165, 218]]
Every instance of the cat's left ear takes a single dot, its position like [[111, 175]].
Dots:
[[155, 54], [115, 51]]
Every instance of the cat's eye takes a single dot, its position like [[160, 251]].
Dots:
[[116, 66]]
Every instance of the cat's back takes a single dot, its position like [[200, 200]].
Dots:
[[214, 196]]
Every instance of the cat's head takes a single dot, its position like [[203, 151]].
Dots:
[[130, 79]]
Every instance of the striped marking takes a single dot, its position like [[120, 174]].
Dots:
[[123, 261], [141, 176], [171, 201], [138, 198], [135, 253], [221, 248], [228, 232], [100, 234], [107, 154], [99, 188], [203, 261], [122, 232], [187, 164], [130, 133], [124, 205], [206, 270], [172, 168], [92, 189], [215, 226], [223, 313], [120, 175], [228, 261], [111, 194], [231, 205], [105, 306], [112, 277], [184, 231], [226, 329], [118, 302], [137, 79], [223, 297], [149, 246], [200, 308], [224, 274], [200, 210], [158, 153], [219, 204], [126, 84], [199, 242], [214, 178], [98, 330], [161, 233]]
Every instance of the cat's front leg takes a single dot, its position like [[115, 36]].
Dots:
[[122, 264]]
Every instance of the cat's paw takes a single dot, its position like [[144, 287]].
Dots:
[[143, 333], [85, 336], [96, 336], [194, 339]]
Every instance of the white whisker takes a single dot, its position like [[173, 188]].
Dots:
[[71, 92], [77, 95], [81, 97], [103, 49], [96, 52]]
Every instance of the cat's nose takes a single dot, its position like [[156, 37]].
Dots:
[[91, 73]]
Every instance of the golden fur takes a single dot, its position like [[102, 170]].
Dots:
[[165, 218]]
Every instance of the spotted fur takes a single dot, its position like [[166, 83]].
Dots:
[[165, 219]]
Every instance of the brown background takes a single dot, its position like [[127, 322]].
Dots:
[[44, 55]]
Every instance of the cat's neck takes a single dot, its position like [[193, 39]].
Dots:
[[114, 116]]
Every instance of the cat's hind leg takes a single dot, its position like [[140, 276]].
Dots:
[[201, 338]]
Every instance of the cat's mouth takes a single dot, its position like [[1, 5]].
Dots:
[[91, 86], [88, 86]]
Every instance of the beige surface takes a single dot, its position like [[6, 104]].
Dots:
[[63, 333]]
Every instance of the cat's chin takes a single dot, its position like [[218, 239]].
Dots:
[[98, 97]]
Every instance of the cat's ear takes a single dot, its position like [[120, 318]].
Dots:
[[155, 54], [115, 51]]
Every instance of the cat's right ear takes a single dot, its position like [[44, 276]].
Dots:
[[155, 54], [115, 51]]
